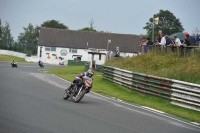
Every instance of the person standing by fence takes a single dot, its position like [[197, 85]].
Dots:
[[168, 40], [189, 41], [108, 55], [111, 54], [160, 35], [143, 43], [198, 40], [149, 43], [177, 43], [163, 41]]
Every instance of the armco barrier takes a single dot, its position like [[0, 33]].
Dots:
[[177, 92], [99, 68]]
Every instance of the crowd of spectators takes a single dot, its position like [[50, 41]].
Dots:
[[164, 40], [110, 54]]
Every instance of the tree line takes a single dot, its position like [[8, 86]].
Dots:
[[28, 40]]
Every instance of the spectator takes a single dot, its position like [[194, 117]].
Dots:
[[189, 40], [143, 44], [163, 41], [168, 40], [173, 40], [111, 54], [198, 40], [156, 39], [160, 35], [117, 54], [139, 53], [108, 55], [195, 37], [149, 44], [177, 41]]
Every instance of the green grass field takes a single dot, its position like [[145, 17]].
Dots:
[[8, 58], [107, 88]]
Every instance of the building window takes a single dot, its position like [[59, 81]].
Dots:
[[50, 48], [47, 48], [53, 49], [71, 50]]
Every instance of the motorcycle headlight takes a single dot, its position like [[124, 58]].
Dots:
[[88, 83]]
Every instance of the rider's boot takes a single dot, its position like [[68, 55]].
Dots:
[[69, 88]]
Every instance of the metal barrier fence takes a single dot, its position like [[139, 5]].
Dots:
[[177, 92], [180, 51], [99, 68]]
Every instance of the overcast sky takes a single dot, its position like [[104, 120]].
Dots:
[[116, 16]]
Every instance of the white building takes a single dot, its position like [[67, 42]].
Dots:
[[57, 46]]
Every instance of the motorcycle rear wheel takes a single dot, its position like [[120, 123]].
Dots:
[[65, 96], [80, 96]]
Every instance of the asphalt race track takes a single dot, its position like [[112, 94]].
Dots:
[[31, 102]]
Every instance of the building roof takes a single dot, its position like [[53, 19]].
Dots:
[[86, 39]]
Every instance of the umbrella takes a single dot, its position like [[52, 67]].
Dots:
[[180, 35]]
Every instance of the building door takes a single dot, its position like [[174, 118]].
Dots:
[[78, 58]]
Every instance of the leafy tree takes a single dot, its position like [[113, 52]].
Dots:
[[91, 28], [144, 36], [168, 23], [88, 29], [29, 38], [6, 37], [1, 43], [54, 24]]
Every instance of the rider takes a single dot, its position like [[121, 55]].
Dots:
[[89, 73], [39, 62], [12, 61]]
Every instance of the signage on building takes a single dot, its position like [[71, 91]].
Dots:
[[63, 52]]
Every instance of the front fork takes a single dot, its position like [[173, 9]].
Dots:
[[80, 90]]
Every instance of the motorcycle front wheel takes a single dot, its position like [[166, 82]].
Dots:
[[65, 96], [80, 96]]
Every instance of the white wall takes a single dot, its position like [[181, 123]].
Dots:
[[31, 59], [69, 56], [12, 53]]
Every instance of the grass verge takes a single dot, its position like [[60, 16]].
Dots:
[[162, 65], [8, 58], [107, 88]]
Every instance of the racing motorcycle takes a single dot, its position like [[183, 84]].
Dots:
[[41, 64], [79, 89], [14, 64]]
